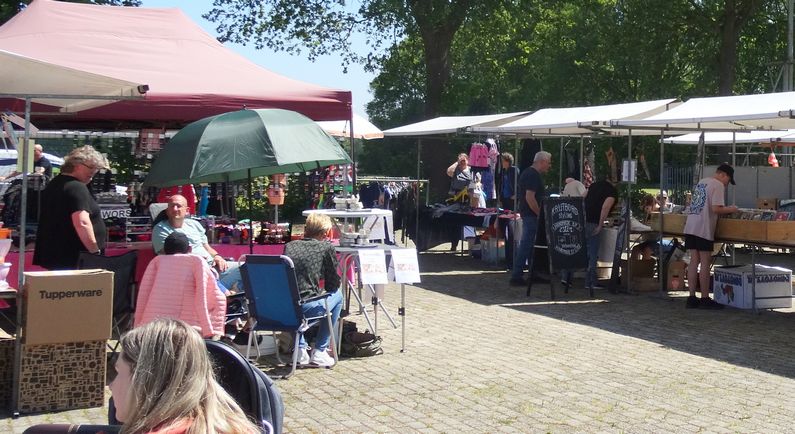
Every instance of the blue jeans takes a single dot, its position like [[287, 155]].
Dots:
[[232, 276], [592, 241], [318, 308], [524, 253]]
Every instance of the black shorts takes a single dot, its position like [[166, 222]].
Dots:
[[693, 242]]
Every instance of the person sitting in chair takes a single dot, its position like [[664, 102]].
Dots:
[[314, 259], [178, 221]]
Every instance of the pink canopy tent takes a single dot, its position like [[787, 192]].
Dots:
[[190, 74]]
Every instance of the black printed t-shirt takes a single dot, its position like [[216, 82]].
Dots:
[[530, 179], [57, 243]]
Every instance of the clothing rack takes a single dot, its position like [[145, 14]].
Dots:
[[365, 179]]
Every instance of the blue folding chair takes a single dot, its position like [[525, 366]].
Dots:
[[275, 304]]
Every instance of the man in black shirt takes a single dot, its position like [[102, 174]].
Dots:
[[599, 201], [531, 192], [72, 222]]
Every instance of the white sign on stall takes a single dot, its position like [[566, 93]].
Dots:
[[372, 265], [406, 268]]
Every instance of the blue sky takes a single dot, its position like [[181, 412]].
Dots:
[[325, 71]]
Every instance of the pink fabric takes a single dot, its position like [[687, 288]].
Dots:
[[478, 155], [235, 251], [181, 287], [190, 74]]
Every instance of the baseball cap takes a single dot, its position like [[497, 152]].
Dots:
[[176, 242], [725, 168]]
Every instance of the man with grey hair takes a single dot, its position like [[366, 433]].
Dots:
[[531, 192], [72, 222]]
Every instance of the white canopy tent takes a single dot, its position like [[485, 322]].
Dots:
[[362, 128], [450, 124], [577, 121], [726, 138], [725, 113], [70, 89]]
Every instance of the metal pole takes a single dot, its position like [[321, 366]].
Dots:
[[353, 151], [417, 210], [250, 216], [582, 144], [787, 85], [560, 166], [21, 267], [628, 218], [663, 268]]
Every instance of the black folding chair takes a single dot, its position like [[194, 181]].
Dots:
[[123, 267]]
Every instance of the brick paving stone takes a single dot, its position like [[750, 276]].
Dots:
[[481, 357]]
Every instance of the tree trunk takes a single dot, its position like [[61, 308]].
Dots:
[[438, 22], [736, 14]]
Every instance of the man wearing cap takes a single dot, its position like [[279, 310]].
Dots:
[[708, 201]]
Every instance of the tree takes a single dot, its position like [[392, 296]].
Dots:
[[9, 8], [326, 26]]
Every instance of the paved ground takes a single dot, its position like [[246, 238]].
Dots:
[[482, 357]]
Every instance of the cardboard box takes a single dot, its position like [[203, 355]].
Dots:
[[732, 286], [67, 306], [671, 223], [741, 230], [640, 268], [6, 371], [767, 203], [56, 377]]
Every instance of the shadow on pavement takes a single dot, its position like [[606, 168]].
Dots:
[[764, 342]]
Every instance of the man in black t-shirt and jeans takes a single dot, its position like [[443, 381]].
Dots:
[[599, 200], [72, 222], [531, 192]]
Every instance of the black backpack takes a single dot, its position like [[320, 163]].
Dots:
[[253, 390]]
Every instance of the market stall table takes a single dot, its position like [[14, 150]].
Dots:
[[145, 255]]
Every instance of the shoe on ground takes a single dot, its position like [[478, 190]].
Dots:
[[565, 282], [517, 282], [303, 356], [636, 225], [692, 302], [708, 303], [321, 359], [598, 287]]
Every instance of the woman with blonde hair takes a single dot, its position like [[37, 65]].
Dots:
[[165, 384], [315, 259]]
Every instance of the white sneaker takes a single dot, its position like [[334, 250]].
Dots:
[[636, 225], [303, 356], [322, 359]]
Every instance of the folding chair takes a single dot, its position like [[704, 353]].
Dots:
[[274, 302], [123, 267]]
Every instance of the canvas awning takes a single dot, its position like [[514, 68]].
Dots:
[[450, 124], [726, 138], [362, 128], [743, 112], [190, 74], [66, 88], [575, 121]]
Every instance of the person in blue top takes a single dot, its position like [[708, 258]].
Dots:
[[510, 173], [531, 192]]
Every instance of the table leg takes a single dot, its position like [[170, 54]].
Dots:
[[402, 313]]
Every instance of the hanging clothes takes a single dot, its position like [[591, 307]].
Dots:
[[478, 155]]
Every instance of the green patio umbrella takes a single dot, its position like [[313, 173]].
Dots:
[[239, 145]]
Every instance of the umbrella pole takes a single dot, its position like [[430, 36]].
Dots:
[[250, 217]]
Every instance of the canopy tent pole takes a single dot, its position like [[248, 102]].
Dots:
[[660, 264], [417, 195], [582, 144], [560, 165], [251, 216], [628, 213]]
